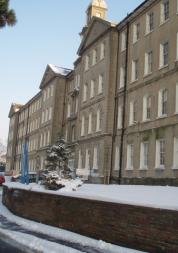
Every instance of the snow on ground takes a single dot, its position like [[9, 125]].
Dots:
[[57, 233], [34, 243], [150, 196]]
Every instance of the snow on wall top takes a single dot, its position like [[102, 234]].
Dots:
[[164, 197], [59, 70]]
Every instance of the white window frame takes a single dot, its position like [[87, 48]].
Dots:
[[117, 158], [87, 159], [100, 84], [160, 154], [164, 54], [177, 45], [92, 88], [123, 41], [79, 160], [90, 123], [163, 17], [146, 106], [87, 62], [175, 154], [132, 113], [83, 126], [134, 76], [94, 57], [68, 110], [95, 158], [161, 105], [122, 77], [130, 157], [176, 102], [144, 155], [119, 117], [102, 51], [149, 22], [136, 32], [85, 89], [98, 120], [148, 63]]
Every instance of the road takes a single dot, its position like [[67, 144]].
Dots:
[[6, 248]]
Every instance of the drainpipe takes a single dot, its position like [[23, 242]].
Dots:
[[124, 105], [115, 113]]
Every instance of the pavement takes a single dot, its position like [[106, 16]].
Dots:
[[12, 226]]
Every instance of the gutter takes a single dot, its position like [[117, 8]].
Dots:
[[124, 105]]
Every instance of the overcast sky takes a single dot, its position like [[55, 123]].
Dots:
[[46, 32]]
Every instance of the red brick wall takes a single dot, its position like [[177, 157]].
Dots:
[[147, 229]]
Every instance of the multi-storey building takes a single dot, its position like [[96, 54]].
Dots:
[[118, 107]]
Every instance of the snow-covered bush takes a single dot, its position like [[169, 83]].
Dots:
[[57, 173]]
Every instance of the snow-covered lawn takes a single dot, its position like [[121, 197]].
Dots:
[[150, 196], [45, 246]]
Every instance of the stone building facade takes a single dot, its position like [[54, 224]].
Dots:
[[118, 108]]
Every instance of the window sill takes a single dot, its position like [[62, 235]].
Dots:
[[134, 42], [163, 67], [160, 168], [129, 169], [162, 116], [148, 33], [123, 50], [134, 81], [164, 22], [147, 75], [143, 169], [175, 168], [146, 120]]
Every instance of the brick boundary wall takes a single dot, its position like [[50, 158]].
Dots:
[[148, 229]]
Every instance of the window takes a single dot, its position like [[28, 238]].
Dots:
[[122, 77], [148, 62], [164, 54], [119, 118], [130, 156], [52, 90], [134, 70], [149, 22], [76, 105], [94, 58], [50, 113], [73, 133], [175, 160], [123, 41], [100, 84], [79, 160], [163, 103], [132, 115], [176, 102], [164, 11], [68, 110], [85, 88], [87, 160], [136, 32], [144, 155], [102, 51], [98, 120], [83, 126], [86, 62], [160, 153], [117, 158], [177, 48], [95, 158], [177, 6], [92, 89], [90, 123], [146, 108]]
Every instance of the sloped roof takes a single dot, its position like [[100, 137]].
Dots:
[[59, 70]]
